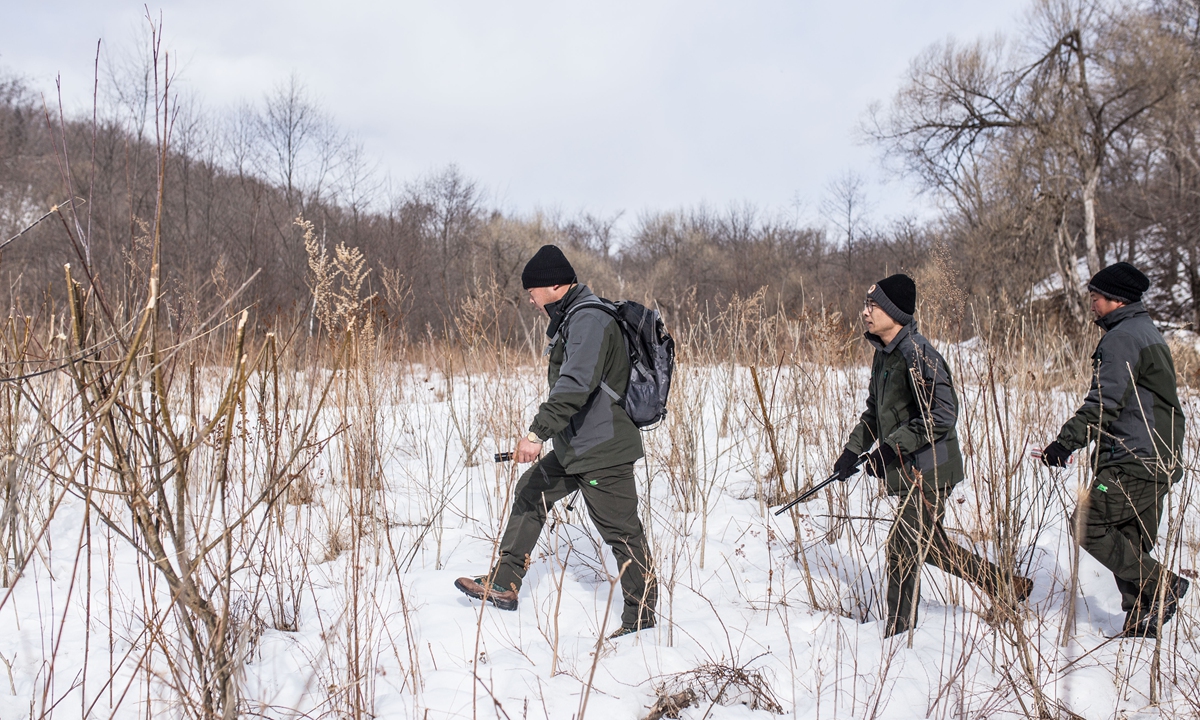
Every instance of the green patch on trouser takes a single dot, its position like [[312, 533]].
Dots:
[[916, 536], [1120, 529], [612, 503]]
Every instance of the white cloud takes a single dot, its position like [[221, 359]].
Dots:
[[609, 106]]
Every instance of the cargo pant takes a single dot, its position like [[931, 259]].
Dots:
[[916, 536], [1120, 527], [611, 498]]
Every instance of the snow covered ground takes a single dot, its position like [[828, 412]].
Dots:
[[354, 611]]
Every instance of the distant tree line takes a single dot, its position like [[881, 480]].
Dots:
[[1077, 142], [234, 188]]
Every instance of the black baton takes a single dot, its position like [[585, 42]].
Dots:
[[820, 486]]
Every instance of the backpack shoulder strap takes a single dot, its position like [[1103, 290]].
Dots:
[[599, 305], [611, 309], [566, 319]]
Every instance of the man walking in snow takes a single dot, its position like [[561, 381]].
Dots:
[[595, 445], [1132, 414], [909, 419]]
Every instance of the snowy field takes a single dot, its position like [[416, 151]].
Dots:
[[341, 597]]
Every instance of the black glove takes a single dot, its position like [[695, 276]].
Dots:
[[879, 459], [1055, 455], [846, 465]]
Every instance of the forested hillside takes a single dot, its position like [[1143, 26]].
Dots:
[[1077, 139]]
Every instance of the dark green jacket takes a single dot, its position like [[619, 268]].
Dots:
[[1132, 410], [590, 430], [912, 406]]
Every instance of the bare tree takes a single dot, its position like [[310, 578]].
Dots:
[[450, 206], [358, 183], [845, 208], [301, 145], [1086, 73], [592, 232]]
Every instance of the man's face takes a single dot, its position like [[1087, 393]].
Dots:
[[877, 321], [540, 297], [1101, 305]]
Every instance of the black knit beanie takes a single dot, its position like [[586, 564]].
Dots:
[[897, 295], [547, 267], [1120, 281]]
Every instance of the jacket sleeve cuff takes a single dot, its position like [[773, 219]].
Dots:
[[855, 443], [540, 430], [1065, 439], [898, 441]]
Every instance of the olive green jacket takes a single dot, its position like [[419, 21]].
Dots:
[[911, 406], [1132, 410], [590, 429]]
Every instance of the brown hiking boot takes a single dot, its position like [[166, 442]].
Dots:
[[1022, 588], [624, 630], [476, 588], [1159, 613]]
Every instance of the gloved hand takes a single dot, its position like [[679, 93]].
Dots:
[[879, 459], [1055, 455], [845, 465]]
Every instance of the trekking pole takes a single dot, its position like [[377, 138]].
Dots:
[[819, 486]]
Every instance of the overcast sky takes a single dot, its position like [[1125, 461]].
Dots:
[[604, 106]]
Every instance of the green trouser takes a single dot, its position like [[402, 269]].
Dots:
[[1120, 529], [918, 535], [611, 498]]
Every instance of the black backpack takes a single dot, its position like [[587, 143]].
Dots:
[[651, 359]]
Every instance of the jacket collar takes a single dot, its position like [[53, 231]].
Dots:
[[1114, 318], [558, 309], [878, 341]]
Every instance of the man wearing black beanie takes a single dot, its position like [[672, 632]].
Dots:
[[1133, 415], [595, 445], [909, 419]]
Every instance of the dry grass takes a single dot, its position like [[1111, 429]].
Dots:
[[249, 472]]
